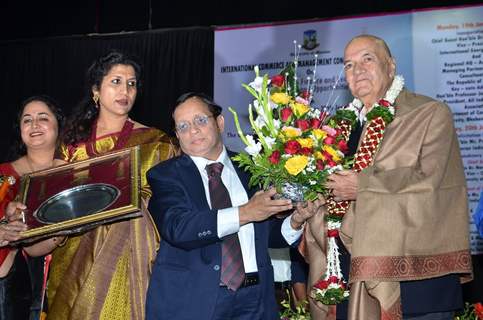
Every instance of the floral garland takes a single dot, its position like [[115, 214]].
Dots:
[[332, 289]]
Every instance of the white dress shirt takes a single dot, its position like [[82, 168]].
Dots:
[[228, 221]]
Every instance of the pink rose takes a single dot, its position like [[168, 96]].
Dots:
[[329, 140], [330, 131]]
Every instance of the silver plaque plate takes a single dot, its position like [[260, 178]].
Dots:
[[77, 202]]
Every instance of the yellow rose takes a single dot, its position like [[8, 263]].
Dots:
[[291, 132], [280, 98], [299, 109], [296, 164], [319, 134], [332, 152], [319, 155], [306, 142]]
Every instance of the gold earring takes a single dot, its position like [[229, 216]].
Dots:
[[95, 97]]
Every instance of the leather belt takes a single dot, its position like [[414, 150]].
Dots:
[[283, 285], [251, 279]]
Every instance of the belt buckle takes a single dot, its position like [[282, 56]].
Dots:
[[250, 280]]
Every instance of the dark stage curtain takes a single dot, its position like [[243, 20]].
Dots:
[[174, 61]]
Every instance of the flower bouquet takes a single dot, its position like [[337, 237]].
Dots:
[[471, 312], [294, 146]]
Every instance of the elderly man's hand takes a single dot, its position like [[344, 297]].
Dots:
[[304, 211], [343, 185]]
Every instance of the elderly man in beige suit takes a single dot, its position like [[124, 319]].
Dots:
[[407, 224]]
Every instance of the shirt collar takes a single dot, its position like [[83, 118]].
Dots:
[[201, 162]]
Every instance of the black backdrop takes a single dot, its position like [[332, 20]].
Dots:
[[174, 61]]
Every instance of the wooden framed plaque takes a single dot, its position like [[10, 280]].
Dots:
[[79, 196]]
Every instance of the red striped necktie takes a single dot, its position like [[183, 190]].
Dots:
[[232, 269]]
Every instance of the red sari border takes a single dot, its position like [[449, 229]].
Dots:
[[393, 313], [409, 267]]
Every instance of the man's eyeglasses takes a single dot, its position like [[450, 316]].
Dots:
[[199, 121]]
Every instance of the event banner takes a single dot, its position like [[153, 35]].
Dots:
[[448, 66], [439, 53]]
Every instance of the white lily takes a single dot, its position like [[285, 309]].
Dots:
[[260, 122], [253, 148], [257, 83], [270, 142], [277, 124]]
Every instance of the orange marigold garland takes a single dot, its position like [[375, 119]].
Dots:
[[332, 288]]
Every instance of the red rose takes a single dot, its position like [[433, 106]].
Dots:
[[326, 155], [319, 164], [333, 279], [285, 114], [343, 146], [305, 94], [332, 233], [278, 80], [329, 140], [305, 151], [322, 284], [274, 157], [292, 147], [331, 163], [315, 123], [384, 103], [479, 310], [302, 124]]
